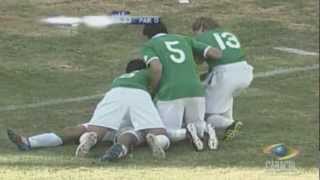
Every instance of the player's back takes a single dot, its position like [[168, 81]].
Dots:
[[136, 79], [179, 74], [227, 42]]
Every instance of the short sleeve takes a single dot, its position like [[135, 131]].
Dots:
[[148, 54], [199, 47]]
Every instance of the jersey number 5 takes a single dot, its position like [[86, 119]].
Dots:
[[178, 55], [226, 39]]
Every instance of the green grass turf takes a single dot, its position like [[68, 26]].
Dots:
[[40, 63]]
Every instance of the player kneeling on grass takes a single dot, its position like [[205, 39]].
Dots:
[[227, 76], [127, 107], [175, 82]]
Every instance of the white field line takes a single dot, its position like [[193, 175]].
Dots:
[[96, 96], [285, 71], [296, 51], [50, 102]]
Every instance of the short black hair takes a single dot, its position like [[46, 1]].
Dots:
[[150, 30], [135, 64]]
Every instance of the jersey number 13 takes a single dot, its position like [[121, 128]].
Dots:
[[226, 39]]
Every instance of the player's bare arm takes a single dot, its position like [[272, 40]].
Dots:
[[213, 53], [210, 53], [156, 73], [198, 59]]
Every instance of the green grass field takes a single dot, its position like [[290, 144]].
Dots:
[[40, 64]]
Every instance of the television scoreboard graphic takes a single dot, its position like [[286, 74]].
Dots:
[[116, 17], [125, 18]]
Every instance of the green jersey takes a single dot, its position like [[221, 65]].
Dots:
[[227, 42], [179, 74], [136, 79]]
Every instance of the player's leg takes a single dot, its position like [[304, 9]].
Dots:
[[106, 119], [71, 134], [219, 100], [197, 128], [158, 141], [220, 92], [221, 120], [51, 139], [126, 139], [146, 118], [58, 138], [244, 75], [90, 138], [225, 121], [194, 119], [171, 113]]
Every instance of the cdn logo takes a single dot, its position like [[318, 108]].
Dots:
[[281, 151]]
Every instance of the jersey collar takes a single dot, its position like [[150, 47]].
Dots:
[[158, 35]]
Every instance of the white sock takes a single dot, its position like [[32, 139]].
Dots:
[[163, 141], [177, 134], [219, 121], [45, 140]]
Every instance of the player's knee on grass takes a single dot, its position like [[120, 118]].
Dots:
[[219, 120]]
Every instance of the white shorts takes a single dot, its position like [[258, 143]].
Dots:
[[173, 112], [224, 83], [134, 104]]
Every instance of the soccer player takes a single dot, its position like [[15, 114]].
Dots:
[[176, 86], [227, 76], [134, 100], [126, 112]]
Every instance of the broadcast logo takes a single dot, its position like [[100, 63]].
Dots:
[[281, 151], [282, 158]]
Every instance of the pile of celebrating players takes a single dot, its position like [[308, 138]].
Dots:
[[160, 99]]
